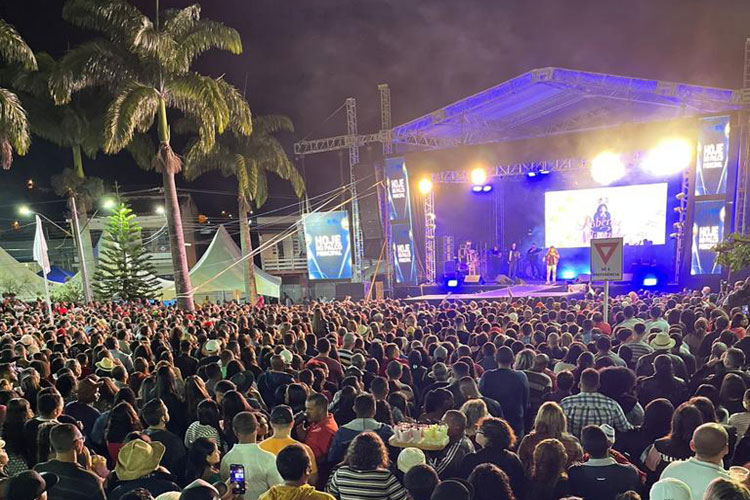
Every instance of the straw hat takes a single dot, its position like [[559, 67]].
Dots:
[[138, 458], [211, 347], [662, 341], [106, 364]]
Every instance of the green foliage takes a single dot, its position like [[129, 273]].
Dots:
[[14, 125], [86, 190], [70, 291], [144, 67], [734, 252], [248, 159], [125, 270]]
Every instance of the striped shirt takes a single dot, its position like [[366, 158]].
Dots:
[[345, 357], [380, 484], [592, 408], [639, 349]]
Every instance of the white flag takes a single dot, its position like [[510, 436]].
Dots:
[[40, 247]]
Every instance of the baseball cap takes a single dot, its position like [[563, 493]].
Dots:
[[29, 485], [282, 414], [670, 489], [409, 457]]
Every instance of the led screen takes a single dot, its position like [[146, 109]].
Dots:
[[635, 213], [327, 242]]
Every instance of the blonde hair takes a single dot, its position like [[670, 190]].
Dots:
[[550, 420], [474, 410], [724, 489], [525, 360]]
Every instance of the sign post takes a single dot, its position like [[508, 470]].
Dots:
[[606, 265]]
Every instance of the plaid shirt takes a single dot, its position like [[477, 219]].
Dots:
[[592, 408]]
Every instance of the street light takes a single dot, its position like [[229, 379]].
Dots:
[[160, 210], [108, 203]]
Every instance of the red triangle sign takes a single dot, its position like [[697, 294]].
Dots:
[[605, 251]]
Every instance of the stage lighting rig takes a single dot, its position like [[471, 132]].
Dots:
[[669, 157], [607, 167], [478, 176], [424, 185]]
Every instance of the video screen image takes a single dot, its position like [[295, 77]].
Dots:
[[327, 242], [572, 218]]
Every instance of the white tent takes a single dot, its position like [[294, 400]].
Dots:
[[218, 274], [20, 278]]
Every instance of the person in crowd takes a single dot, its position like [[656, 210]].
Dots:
[[710, 443], [138, 467], [82, 409], [260, 465], [319, 429], [508, 387], [550, 423], [29, 485], [282, 422], [725, 489], [670, 489], [470, 391], [122, 421], [420, 482], [489, 482], [202, 461], [601, 476], [364, 473], [156, 416], [74, 480], [364, 410], [663, 383], [294, 465], [208, 424], [497, 440], [548, 479], [17, 414], [49, 408], [589, 407]]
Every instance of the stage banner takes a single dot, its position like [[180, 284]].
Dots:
[[399, 204], [712, 157], [403, 253], [328, 249], [708, 230]]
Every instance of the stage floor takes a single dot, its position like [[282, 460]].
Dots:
[[528, 290]]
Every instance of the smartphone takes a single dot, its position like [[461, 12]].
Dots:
[[237, 478]]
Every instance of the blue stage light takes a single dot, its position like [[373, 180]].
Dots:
[[476, 189], [650, 281], [451, 283], [487, 188], [531, 173], [567, 274]]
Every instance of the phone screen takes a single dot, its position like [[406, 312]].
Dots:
[[237, 478]]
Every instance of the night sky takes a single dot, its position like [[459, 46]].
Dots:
[[302, 58]]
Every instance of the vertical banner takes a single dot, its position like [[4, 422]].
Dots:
[[712, 157], [328, 250], [399, 213], [708, 231], [402, 249]]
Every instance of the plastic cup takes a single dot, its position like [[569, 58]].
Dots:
[[739, 474]]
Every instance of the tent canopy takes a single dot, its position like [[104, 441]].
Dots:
[[213, 275], [19, 278]]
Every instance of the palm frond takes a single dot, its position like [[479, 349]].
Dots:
[[142, 149], [240, 117], [205, 35], [117, 20], [13, 50], [178, 22], [272, 124], [150, 43], [261, 190], [218, 158], [14, 127], [94, 63], [128, 111]]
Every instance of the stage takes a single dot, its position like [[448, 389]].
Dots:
[[495, 293]]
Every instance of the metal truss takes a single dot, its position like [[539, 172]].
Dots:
[[560, 165], [336, 143], [351, 128], [429, 237], [680, 229]]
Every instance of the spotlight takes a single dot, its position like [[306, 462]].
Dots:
[[476, 189], [680, 196], [487, 188], [678, 210], [607, 167], [567, 274], [674, 235], [425, 185], [531, 174], [478, 176], [160, 210], [452, 283], [670, 157]]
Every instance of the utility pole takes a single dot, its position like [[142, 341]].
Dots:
[[79, 247]]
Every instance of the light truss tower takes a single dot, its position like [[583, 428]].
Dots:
[[429, 237], [351, 130], [743, 171], [385, 131]]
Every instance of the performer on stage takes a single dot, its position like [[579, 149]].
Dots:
[[513, 257], [532, 256], [552, 258]]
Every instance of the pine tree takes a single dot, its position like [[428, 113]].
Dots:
[[125, 270]]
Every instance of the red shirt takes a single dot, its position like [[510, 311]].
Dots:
[[604, 328], [319, 437]]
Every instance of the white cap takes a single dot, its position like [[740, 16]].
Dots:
[[670, 489], [286, 356], [409, 457]]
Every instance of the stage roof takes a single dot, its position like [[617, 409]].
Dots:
[[552, 101]]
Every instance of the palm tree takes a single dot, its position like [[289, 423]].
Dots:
[[146, 67], [14, 126], [248, 159]]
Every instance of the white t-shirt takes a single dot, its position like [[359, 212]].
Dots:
[[695, 473], [260, 468]]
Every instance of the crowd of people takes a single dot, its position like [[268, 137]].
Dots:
[[542, 399]]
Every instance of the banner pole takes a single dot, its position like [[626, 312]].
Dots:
[[46, 293]]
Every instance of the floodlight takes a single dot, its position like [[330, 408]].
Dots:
[[607, 167], [160, 210], [487, 188], [478, 176], [476, 189], [452, 283], [108, 203], [670, 157], [567, 274], [650, 281], [24, 211], [425, 185]]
